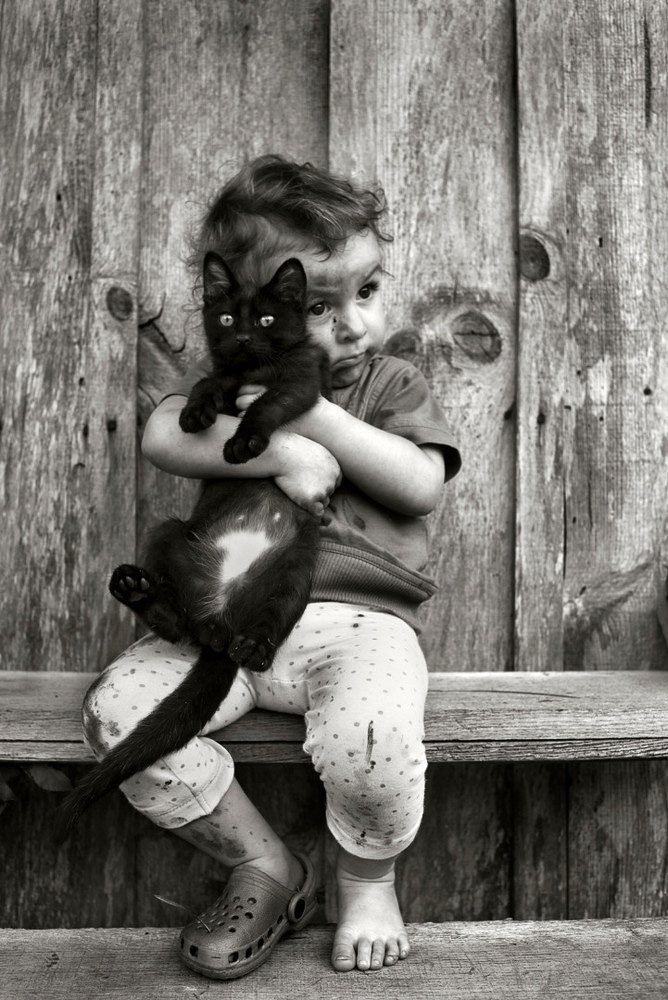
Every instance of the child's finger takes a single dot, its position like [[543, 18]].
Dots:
[[247, 395]]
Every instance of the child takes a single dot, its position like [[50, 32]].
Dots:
[[376, 457]]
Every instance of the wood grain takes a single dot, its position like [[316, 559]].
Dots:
[[562, 716], [418, 103], [501, 959]]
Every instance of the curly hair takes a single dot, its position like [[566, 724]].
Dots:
[[275, 205]]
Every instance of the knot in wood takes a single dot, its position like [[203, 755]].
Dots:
[[119, 303], [534, 258], [477, 336]]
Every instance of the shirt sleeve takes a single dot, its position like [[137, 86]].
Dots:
[[403, 404]]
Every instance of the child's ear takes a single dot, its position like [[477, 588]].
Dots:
[[289, 282], [218, 280]]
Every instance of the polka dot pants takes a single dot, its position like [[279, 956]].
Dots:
[[359, 678]]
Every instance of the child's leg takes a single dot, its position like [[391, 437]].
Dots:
[[188, 783], [193, 793], [364, 732]]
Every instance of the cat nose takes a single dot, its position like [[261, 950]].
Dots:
[[243, 339]]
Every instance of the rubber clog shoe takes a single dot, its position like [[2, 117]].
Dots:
[[238, 932]]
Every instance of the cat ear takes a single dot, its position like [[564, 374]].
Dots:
[[289, 282], [218, 280]]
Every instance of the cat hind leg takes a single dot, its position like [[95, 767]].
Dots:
[[133, 586]]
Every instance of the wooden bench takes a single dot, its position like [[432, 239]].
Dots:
[[470, 717]]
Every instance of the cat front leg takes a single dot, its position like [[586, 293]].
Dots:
[[275, 407], [208, 398]]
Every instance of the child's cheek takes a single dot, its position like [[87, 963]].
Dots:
[[322, 332]]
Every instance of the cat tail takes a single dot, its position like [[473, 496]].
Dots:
[[173, 723]]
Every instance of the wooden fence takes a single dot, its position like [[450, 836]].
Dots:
[[523, 147]]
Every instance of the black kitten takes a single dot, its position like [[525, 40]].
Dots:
[[234, 578]]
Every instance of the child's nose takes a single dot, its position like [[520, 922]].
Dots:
[[351, 325]]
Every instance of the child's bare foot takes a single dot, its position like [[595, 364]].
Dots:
[[371, 931]]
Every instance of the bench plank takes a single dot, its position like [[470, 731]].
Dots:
[[506, 960], [480, 716]]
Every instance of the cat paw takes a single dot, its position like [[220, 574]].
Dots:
[[131, 585], [253, 654], [241, 449], [198, 416], [205, 402]]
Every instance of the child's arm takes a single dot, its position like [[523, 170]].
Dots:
[[302, 468], [406, 477]]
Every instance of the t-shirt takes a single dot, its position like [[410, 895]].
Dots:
[[368, 554]]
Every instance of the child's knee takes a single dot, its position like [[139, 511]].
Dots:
[[372, 766], [105, 713]]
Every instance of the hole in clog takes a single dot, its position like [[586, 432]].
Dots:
[[194, 950], [252, 900], [280, 920], [183, 943], [232, 930], [236, 899], [235, 916], [270, 932], [233, 957], [249, 952], [299, 908], [248, 914], [260, 942]]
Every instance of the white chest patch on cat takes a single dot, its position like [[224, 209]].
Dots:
[[239, 550]]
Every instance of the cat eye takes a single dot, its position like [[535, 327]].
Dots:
[[225, 319], [266, 320]]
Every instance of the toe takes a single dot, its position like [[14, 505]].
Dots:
[[364, 954], [391, 952], [404, 946], [343, 952], [377, 953]]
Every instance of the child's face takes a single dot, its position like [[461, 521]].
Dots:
[[345, 310]]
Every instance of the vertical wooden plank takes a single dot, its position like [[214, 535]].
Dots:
[[71, 128], [593, 391], [543, 318], [69, 365], [47, 83], [422, 101], [111, 342], [616, 476], [540, 861], [224, 81], [617, 842], [88, 882]]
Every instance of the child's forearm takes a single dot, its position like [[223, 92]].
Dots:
[[390, 469], [200, 455]]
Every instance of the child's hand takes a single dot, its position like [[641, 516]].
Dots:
[[311, 473], [247, 395]]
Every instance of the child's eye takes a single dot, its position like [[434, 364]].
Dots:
[[366, 291], [318, 309], [266, 320], [225, 319]]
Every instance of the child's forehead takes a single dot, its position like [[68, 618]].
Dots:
[[356, 260]]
